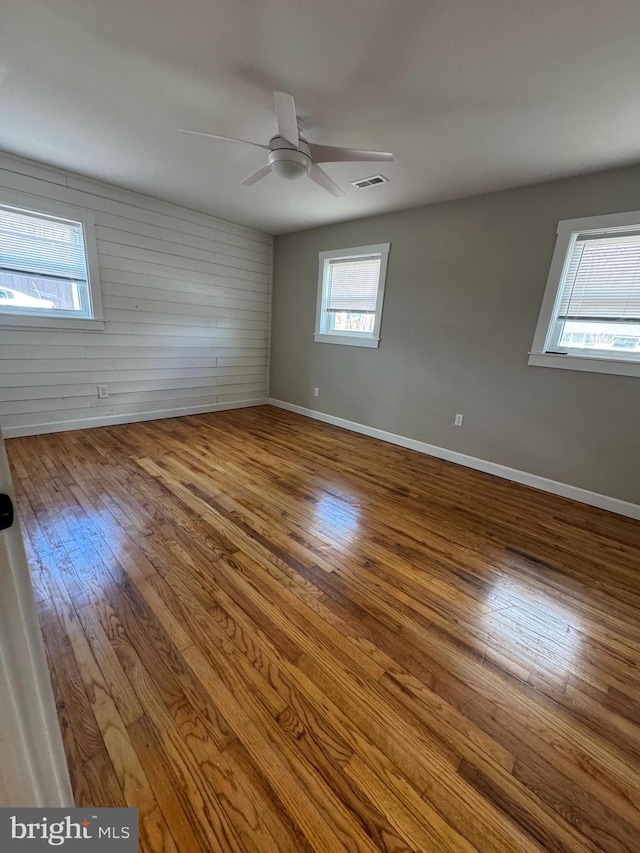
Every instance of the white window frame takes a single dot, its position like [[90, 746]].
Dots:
[[352, 338], [541, 354], [35, 205]]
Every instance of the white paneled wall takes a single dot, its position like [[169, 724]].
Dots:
[[186, 304]]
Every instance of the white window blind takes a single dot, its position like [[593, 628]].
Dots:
[[352, 284], [49, 275], [602, 280], [350, 295], [41, 246], [590, 314]]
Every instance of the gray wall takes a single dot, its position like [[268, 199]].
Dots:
[[464, 287]]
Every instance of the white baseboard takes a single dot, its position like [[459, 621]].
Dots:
[[563, 489], [110, 420]]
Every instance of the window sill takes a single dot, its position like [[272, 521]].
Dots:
[[589, 364], [25, 321], [354, 341]]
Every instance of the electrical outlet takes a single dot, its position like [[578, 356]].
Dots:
[[458, 420], [103, 392], [316, 392]]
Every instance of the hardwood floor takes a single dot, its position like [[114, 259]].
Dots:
[[270, 634]]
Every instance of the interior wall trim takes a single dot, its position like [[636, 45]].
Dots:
[[129, 418], [565, 490]]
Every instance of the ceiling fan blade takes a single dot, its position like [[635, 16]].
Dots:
[[260, 173], [329, 154], [286, 116], [319, 176], [223, 138]]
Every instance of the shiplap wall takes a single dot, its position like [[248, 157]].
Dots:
[[186, 306]]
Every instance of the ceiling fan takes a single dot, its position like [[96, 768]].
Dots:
[[291, 156]]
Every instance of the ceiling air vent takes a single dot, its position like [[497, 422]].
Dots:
[[370, 182]]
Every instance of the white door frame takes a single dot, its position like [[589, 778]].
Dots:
[[33, 767]]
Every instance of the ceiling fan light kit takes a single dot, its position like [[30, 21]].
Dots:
[[292, 157], [290, 163]]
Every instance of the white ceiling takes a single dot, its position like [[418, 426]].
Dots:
[[470, 96]]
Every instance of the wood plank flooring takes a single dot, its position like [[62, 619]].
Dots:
[[269, 634]]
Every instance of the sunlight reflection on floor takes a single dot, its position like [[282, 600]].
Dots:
[[531, 626], [339, 515]]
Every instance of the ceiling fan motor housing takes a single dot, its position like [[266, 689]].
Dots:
[[287, 161]]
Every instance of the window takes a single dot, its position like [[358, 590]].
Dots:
[[590, 315], [350, 294], [48, 271]]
